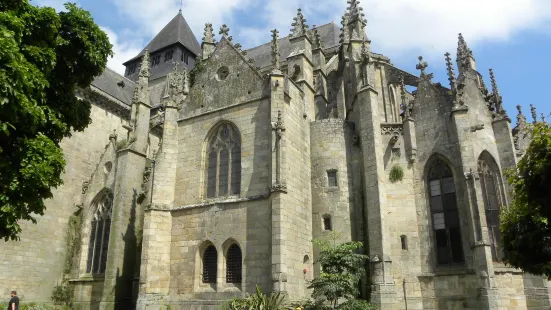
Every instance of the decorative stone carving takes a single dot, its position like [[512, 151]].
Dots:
[[275, 51], [85, 186], [477, 127], [392, 129], [299, 26]]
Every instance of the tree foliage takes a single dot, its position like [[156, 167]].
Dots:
[[342, 269], [44, 57], [525, 226]]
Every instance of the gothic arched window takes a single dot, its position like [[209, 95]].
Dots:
[[99, 234], [224, 162], [493, 200], [210, 264], [445, 216], [233, 264]]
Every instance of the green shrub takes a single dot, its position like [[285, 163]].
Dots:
[[396, 174], [257, 301]]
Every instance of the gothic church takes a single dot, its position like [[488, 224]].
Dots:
[[208, 170]]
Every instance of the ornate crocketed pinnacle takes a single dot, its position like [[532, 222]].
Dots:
[[238, 46], [208, 34], [275, 50], [344, 22], [356, 12], [365, 53], [316, 38], [278, 126], [463, 52], [225, 32], [451, 72], [498, 101], [144, 69], [521, 119], [534, 113], [299, 25]]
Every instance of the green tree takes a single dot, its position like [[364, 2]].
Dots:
[[525, 225], [342, 267], [44, 57]]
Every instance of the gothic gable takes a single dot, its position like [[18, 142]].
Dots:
[[226, 78]]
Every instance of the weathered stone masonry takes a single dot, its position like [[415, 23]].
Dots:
[[221, 165]]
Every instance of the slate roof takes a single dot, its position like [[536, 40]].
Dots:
[[176, 31], [262, 54], [109, 82]]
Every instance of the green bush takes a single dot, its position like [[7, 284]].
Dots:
[[257, 301], [396, 174], [62, 295]]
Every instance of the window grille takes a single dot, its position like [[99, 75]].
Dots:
[[327, 222], [224, 162], [332, 178], [99, 235], [168, 55], [493, 199], [209, 264], [155, 60], [445, 217], [234, 264]]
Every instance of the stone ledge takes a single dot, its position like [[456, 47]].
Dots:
[[452, 271], [88, 278], [220, 201]]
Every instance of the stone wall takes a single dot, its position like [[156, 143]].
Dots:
[[34, 265]]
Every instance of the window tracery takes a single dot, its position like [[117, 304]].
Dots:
[[99, 235], [493, 200], [224, 162], [445, 216]]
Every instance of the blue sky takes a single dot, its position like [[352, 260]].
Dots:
[[511, 36]]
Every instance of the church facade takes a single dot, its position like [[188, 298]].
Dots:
[[209, 169]]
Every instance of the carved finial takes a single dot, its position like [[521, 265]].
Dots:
[[356, 12], [225, 32], [521, 119], [113, 136], [463, 53], [275, 50], [451, 72], [405, 106], [316, 38], [208, 34], [144, 69], [534, 113], [299, 25], [422, 65]]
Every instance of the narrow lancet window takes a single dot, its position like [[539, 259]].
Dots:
[[99, 234], [224, 162]]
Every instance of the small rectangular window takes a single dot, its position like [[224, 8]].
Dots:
[[404, 242], [155, 60], [327, 222], [332, 178], [168, 55]]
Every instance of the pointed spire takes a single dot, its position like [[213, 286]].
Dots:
[[316, 38], [225, 32], [208, 35], [451, 72], [299, 25], [534, 113], [521, 119], [141, 93], [465, 58], [275, 51], [497, 99]]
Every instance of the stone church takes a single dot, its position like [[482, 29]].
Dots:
[[208, 170]]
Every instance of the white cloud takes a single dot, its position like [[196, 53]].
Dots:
[[397, 28], [122, 50]]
